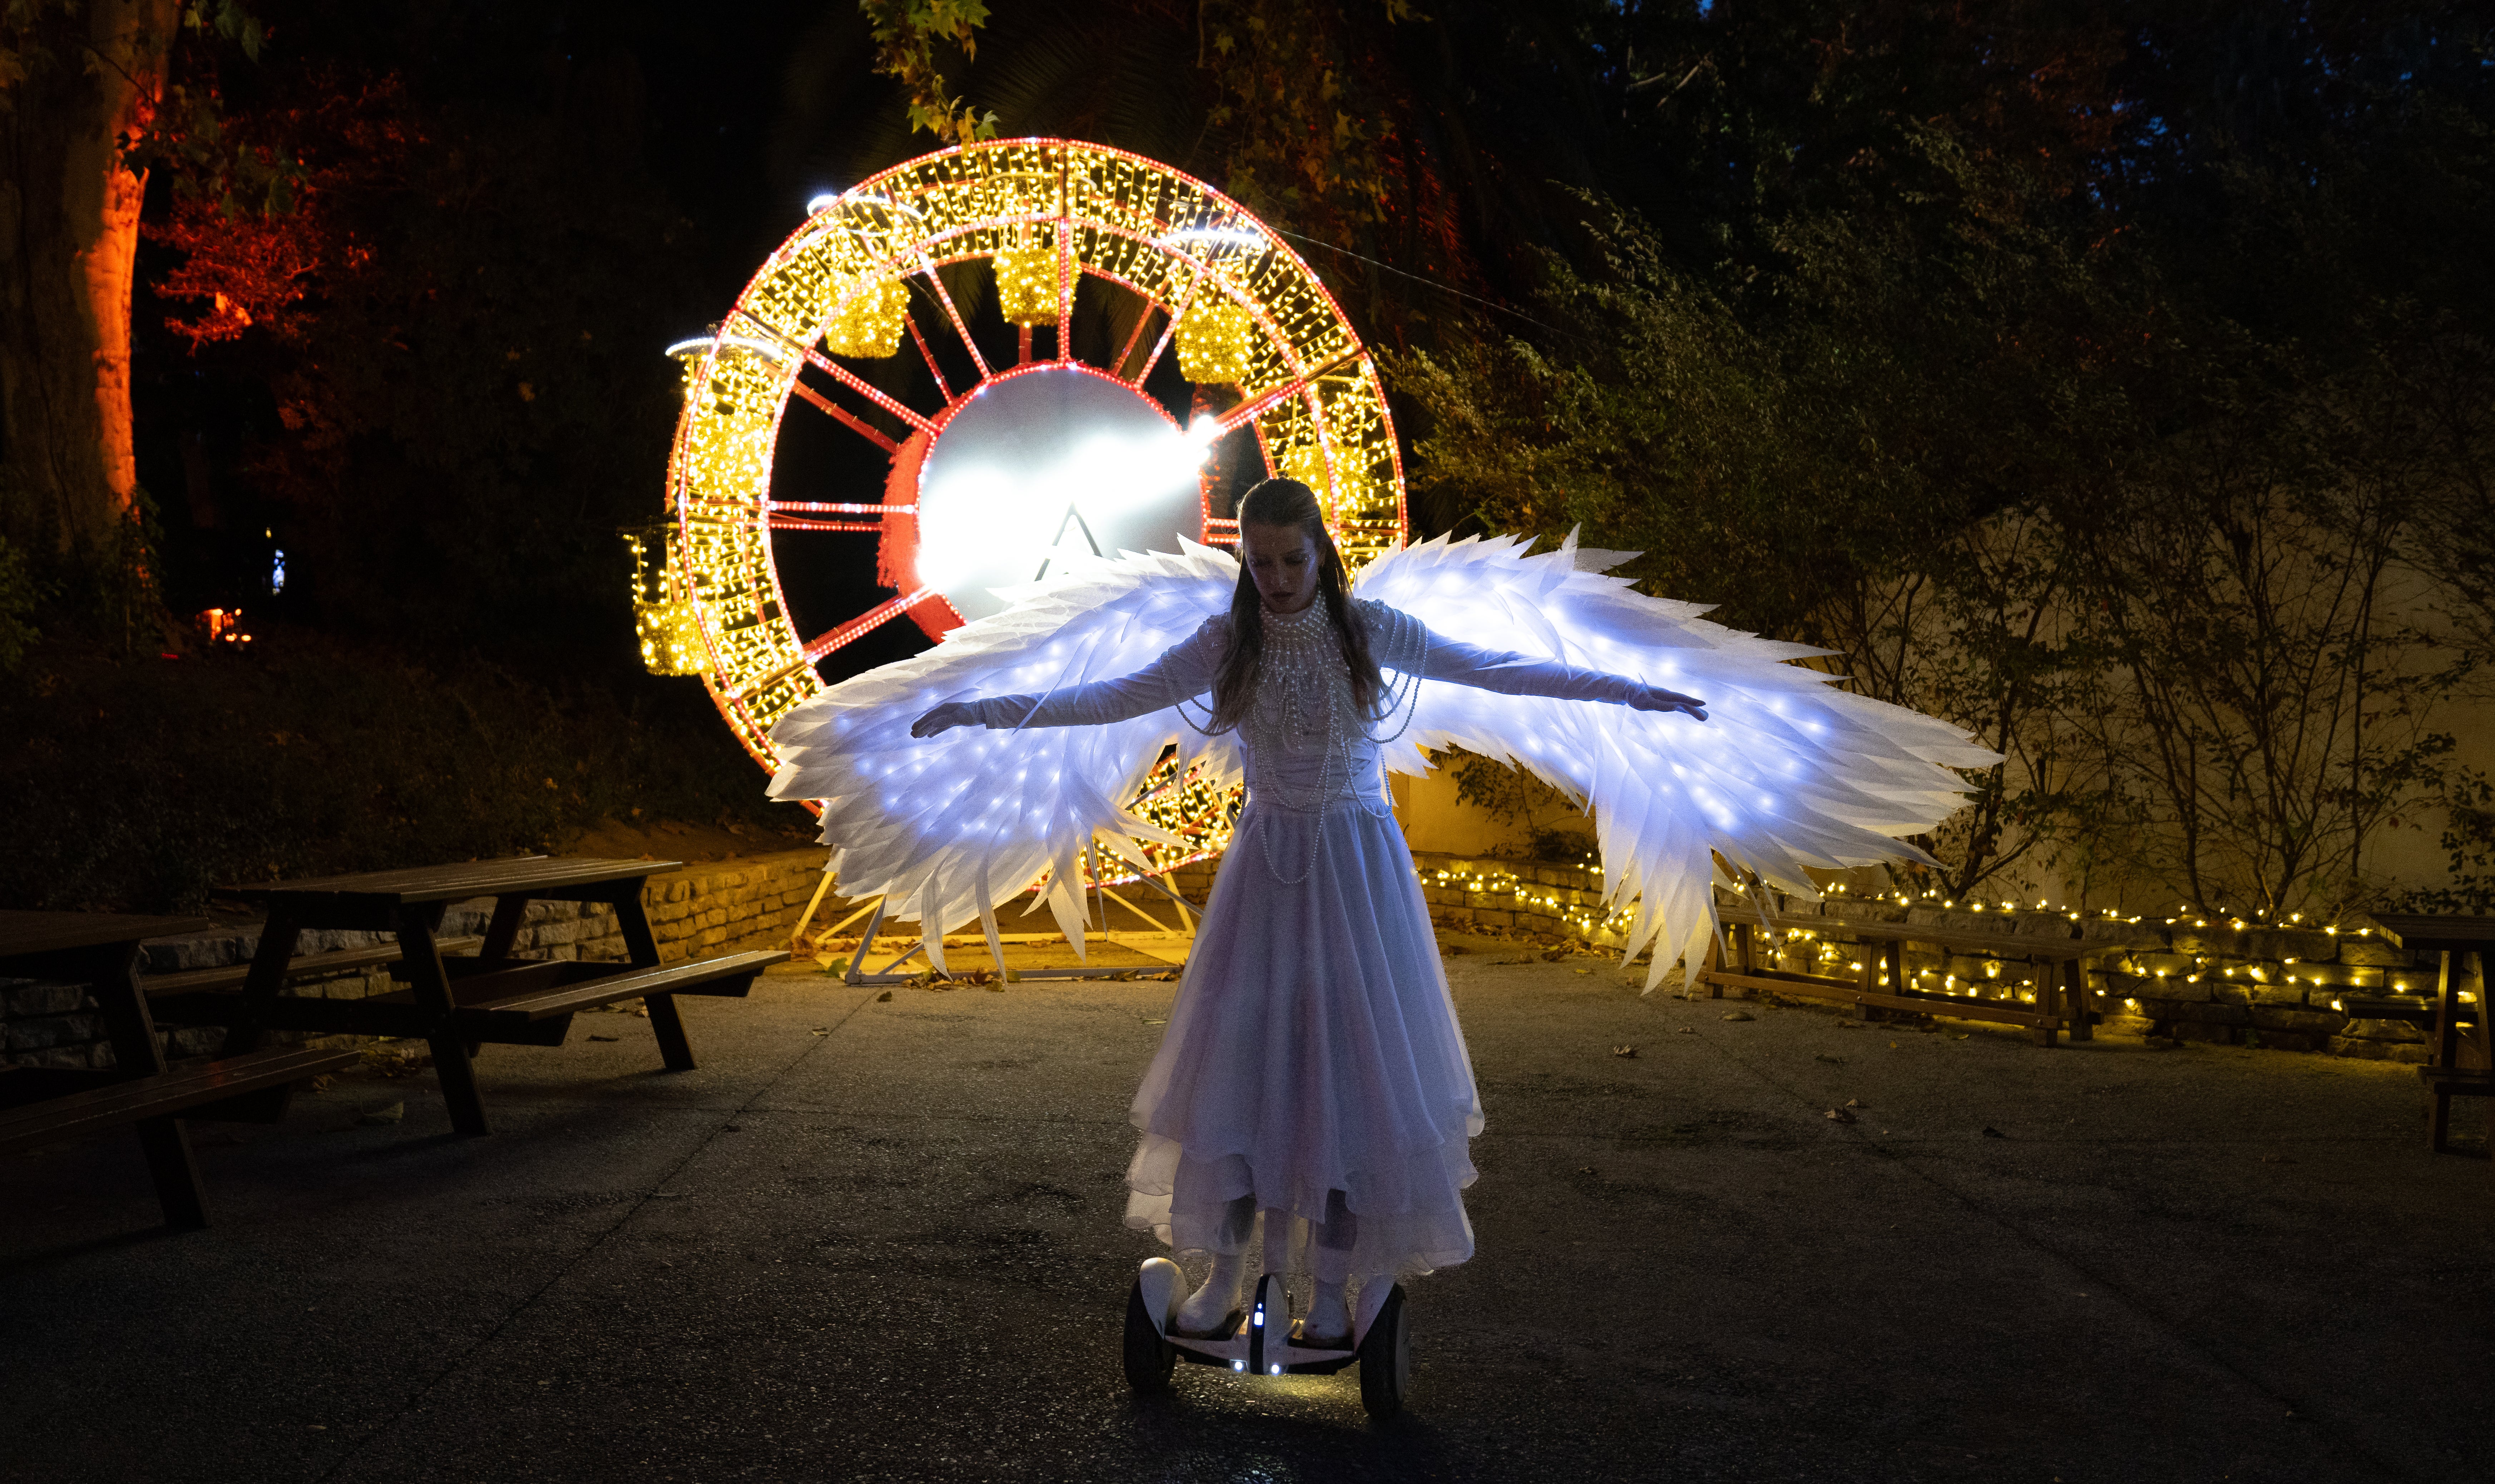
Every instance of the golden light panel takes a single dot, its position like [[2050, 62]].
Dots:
[[1063, 231]]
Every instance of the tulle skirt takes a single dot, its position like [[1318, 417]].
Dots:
[[1313, 1059]]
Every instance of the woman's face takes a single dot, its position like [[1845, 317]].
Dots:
[[1282, 563]]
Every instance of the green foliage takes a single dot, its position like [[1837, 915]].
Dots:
[[907, 34], [140, 784], [1297, 96], [2158, 546]]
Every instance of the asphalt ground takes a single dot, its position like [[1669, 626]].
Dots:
[[879, 1239]]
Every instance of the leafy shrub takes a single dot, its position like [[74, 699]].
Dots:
[[138, 785]]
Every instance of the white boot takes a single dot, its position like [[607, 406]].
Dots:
[[1328, 1322], [1201, 1315]]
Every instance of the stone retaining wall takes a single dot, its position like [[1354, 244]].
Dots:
[[718, 907], [2187, 980], [2250, 985]]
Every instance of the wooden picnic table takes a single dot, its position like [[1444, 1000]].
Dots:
[[2462, 1061], [2060, 985], [45, 1104], [457, 1003]]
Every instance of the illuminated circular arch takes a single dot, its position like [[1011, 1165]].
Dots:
[[1054, 229]]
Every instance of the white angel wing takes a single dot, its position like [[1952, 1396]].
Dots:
[[1787, 773], [951, 826]]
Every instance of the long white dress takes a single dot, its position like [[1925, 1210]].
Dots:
[[1313, 1063]]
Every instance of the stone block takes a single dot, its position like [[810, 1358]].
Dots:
[[2176, 966], [1492, 918], [2208, 1014], [36, 1033], [35, 997], [2046, 924], [192, 951], [2272, 1017], [2286, 1041], [2373, 951], [2201, 1031], [2108, 930], [2386, 1030], [2286, 942], [2378, 1051], [195, 1041]]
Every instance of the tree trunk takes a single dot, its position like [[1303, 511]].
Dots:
[[69, 237]]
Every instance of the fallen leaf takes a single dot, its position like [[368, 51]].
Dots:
[[1849, 1025], [1629, 1051], [1822, 1056], [390, 1115], [1892, 1046], [1839, 1115], [605, 1038], [1689, 1030], [1581, 971], [1739, 1014], [1990, 1132], [1962, 1035], [1585, 1169], [1855, 1102], [884, 997]]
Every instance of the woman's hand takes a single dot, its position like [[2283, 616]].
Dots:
[[1658, 699], [945, 718]]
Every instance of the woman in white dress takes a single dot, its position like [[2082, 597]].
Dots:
[[1312, 1070]]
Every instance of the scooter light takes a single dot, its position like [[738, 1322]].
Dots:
[[1239, 1365], [1259, 1320], [1274, 1370]]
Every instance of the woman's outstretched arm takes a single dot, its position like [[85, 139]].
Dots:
[[1184, 672], [1520, 674]]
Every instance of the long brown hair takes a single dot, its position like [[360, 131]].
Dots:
[[1289, 502]]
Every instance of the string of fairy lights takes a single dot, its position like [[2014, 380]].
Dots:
[[1821, 954]]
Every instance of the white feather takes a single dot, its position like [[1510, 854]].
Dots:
[[1789, 773]]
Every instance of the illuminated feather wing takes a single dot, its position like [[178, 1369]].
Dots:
[[1788, 771], [949, 827]]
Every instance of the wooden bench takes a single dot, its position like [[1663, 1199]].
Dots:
[[527, 1002], [45, 1104], [457, 1004], [2060, 985], [230, 976], [2461, 1047]]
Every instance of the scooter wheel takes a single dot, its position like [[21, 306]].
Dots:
[[1150, 1359], [1386, 1358]]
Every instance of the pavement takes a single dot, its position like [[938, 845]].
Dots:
[[879, 1238]]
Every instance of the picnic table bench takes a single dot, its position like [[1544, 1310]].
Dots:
[[2060, 985], [454, 1003], [46, 1105], [307, 966], [2461, 1062]]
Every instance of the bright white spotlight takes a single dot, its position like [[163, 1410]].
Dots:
[[1049, 468]]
